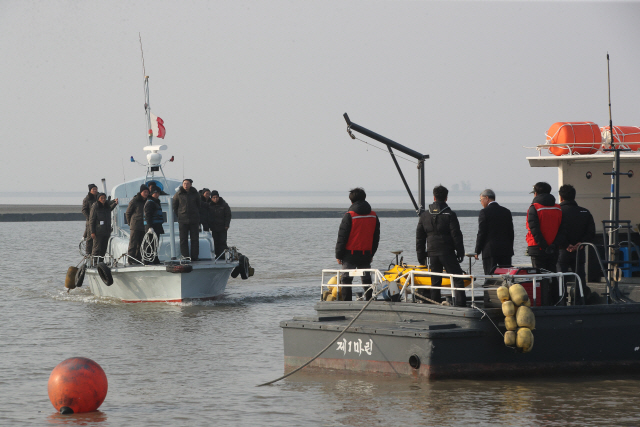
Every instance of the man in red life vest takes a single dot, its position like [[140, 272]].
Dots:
[[358, 239], [545, 235]]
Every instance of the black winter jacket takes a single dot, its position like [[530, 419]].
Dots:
[[153, 217], [135, 213], [578, 223], [187, 206], [438, 229], [100, 218], [219, 215], [534, 225], [204, 212], [86, 211], [361, 208]]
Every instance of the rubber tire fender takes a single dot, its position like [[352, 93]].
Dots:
[[235, 272], [180, 268], [105, 273], [244, 267], [80, 275]]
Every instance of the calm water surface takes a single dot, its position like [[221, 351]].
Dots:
[[198, 363]]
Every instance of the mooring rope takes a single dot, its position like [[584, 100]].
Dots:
[[484, 314], [429, 299], [329, 345]]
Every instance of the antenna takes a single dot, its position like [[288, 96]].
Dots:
[[124, 178], [147, 107], [609, 86]]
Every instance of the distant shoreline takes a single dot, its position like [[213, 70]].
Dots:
[[39, 213]]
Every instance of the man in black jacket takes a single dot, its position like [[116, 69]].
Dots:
[[100, 226], [88, 201], [135, 219], [153, 218], [186, 204], [579, 227], [439, 230], [358, 239], [495, 233], [205, 202], [219, 222]]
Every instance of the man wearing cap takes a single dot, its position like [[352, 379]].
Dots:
[[135, 219], [219, 221], [100, 225], [152, 185], [88, 201], [153, 218], [495, 233], [545, 235], [358, 239], [186, 204]]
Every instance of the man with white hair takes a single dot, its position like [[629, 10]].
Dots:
[[495, 233]]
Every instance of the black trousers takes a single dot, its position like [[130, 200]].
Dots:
[[548, 288], [567, 262], [448, 262], [99, 247], [135, 241], [189, 231], [491, 261], [356, 261], [219, 241]]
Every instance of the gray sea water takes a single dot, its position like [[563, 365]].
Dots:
[[198, 363]]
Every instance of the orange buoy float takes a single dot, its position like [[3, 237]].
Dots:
[[626, 136], [77, 385], [574, 138]]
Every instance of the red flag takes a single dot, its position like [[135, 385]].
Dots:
[[157, 126]]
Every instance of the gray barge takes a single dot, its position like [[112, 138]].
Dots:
[[431, 341], [411, 337]]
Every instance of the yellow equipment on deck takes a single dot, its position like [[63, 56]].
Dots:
[[399, 270]]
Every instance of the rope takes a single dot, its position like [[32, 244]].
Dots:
[[149, 246], [428, 299], [378, 148], [484, 314], [330, 344]]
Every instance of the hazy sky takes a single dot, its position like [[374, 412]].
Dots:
[[252, 92]]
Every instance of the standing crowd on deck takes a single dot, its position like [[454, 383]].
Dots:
[[554, 234], [193, 210]]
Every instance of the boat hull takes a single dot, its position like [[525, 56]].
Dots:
[[461, 343], [154, 284]]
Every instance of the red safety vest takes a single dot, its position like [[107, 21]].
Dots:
[[550, 218], [362, 229]]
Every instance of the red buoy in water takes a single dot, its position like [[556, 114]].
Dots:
[[77, 385]]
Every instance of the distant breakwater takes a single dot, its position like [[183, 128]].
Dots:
[[37, 213]]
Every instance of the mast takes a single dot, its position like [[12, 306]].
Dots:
[[154, 158], [613, 225], [147, 106]]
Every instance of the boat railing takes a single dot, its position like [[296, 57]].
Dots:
[[405, 284]]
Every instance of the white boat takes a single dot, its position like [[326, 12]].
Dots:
[[175, 279]]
